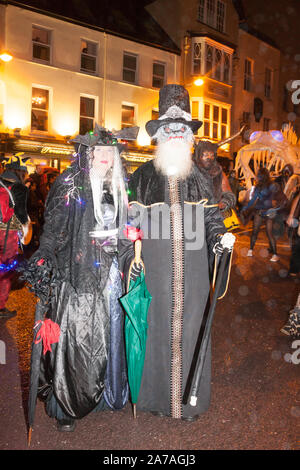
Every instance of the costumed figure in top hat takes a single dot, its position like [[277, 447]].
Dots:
[[173, 208], [206, 159], [76, 276], [15, 224]]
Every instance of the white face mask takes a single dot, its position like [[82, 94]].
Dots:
[[103, 159]]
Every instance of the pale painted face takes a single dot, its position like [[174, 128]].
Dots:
[[174, 130], [103, 159]]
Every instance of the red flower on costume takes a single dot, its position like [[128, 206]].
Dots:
[[133, 233], [48, 333]]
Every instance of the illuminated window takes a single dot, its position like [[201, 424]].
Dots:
[[87, 114], [207, 59], [155, 115], [128, 116], [158, 77], [218, 64], [212, 13], [197, 58], [41, 44], [195, 110], [226, 68], [129, 68], [216, 121], [88, 56], [39, 109]]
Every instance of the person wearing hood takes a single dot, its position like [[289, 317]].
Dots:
[[13, 228], [75, 275], [205, 156]]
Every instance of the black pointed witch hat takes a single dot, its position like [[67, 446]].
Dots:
[[103, 137]]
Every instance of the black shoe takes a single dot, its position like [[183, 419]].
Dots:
[[66, 425], [5, 313], [190, 419]]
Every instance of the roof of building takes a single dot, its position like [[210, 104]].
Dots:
[[258, 34], [127, 19]]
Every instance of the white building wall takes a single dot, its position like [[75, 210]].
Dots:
[[65, 81]]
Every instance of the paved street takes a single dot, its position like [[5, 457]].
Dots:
[[255, 401]]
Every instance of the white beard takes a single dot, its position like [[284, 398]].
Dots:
[[174, 158]]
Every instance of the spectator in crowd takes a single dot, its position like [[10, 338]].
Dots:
[[267, 200], [14, 224]]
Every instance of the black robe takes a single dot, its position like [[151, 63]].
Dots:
[[78, 284], [178, 278]]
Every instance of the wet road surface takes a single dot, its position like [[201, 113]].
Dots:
[[255, 403]]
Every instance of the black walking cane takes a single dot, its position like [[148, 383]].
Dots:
[[196, 372]]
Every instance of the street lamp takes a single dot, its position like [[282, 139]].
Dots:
[[199, 82], [6, 56]]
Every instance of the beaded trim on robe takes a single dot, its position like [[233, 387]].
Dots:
[[177, 239]]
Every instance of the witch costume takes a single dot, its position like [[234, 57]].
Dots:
[[76, 277], [180, 224]]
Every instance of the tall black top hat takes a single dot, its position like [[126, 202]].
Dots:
[[174, 106]]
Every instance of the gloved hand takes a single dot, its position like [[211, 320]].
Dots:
[[135, 271], [226, 241]]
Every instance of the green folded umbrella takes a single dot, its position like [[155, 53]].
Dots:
[[136, 304]]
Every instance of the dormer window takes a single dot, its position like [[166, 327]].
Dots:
[[212, 13]]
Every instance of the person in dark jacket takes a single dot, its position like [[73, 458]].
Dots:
[[266, 201], [12, 181]]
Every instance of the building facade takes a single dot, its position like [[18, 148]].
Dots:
[[256, 88], [64, 77], [240, 69], [207, 33]]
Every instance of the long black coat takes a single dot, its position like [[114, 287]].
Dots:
[[180, 227]]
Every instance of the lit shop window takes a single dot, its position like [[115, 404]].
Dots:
[[212, 13], [158, 78], [39, 109], [129, 68], [41, 44], [87, 114], [128, 116], [88, 57]]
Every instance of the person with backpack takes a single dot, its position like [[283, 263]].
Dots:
[[14, 224]]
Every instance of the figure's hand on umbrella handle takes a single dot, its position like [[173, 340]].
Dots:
[[226, 241]]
